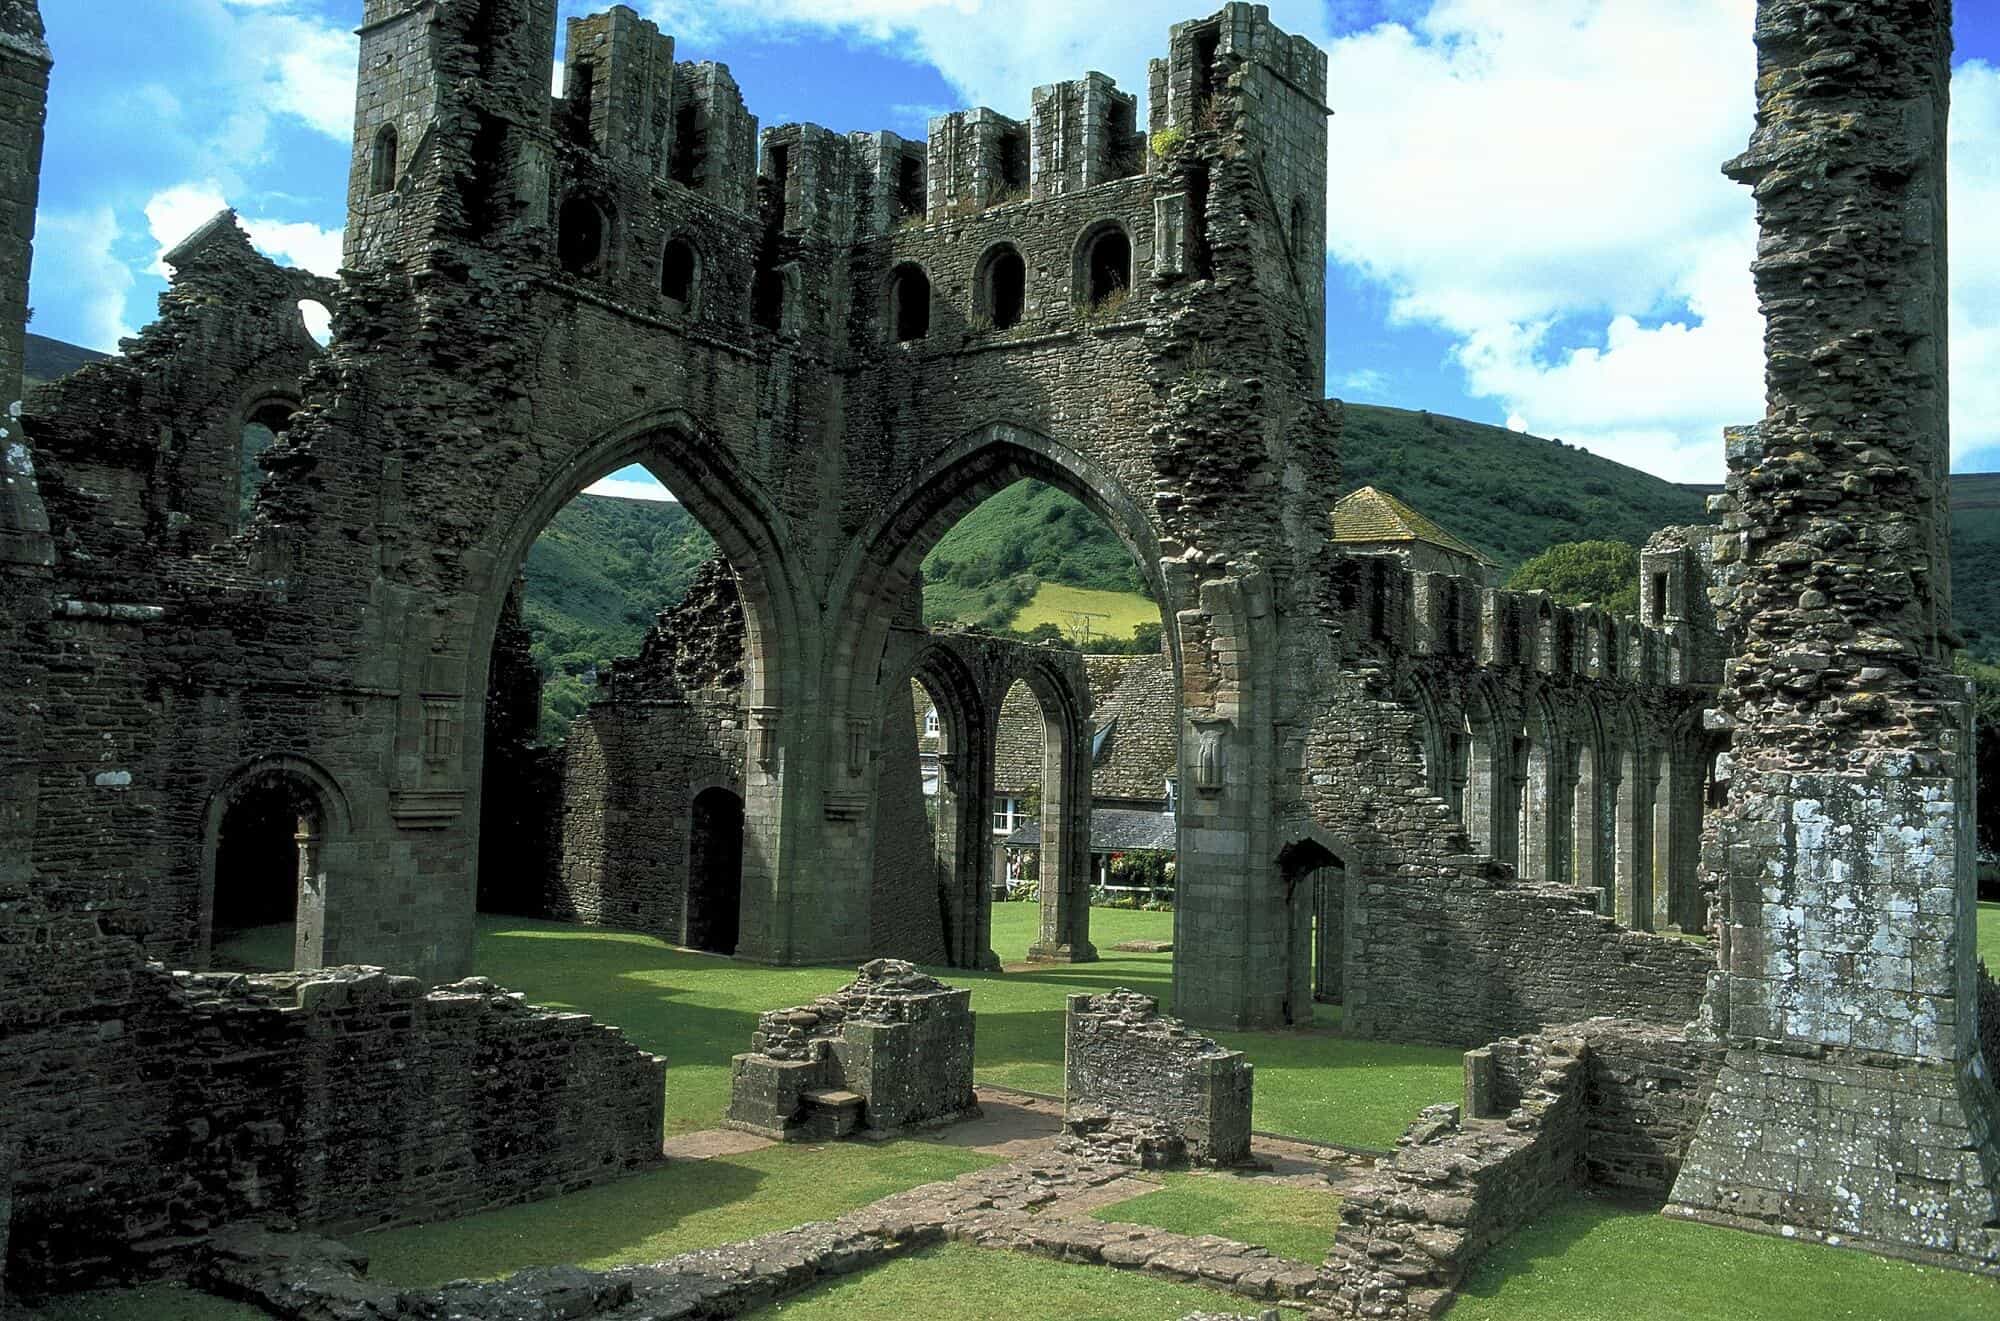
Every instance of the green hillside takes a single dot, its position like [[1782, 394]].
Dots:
[[1029, 528], [1511, 495], [46, 359], [599, 573]]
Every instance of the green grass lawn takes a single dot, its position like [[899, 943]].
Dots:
[[698, 1011], [1062, 605], [683, 1207], [1989, 937], [1295, 1223], [1592, 1258], [959, 1283]]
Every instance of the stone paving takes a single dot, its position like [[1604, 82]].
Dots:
[[1039, 1202]]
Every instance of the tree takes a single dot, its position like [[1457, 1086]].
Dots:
[[1604, 573], [1986, 746]]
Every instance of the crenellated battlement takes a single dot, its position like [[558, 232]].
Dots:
[[1383, 606]]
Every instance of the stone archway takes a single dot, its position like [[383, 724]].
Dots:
[[270, 833]]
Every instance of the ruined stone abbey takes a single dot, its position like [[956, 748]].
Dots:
[[1728, 842]]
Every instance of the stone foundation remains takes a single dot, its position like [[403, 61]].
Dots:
[[1123, 1057], [1603, 1102], [344, 1099], [890, 1050]]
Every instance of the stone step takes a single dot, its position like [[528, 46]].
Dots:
[[830, 1112]]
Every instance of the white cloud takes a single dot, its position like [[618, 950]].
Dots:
[[74, 253], [298, 243], [992, 51], [1975, 258], [276, 59], [174, 213], [1517, 175]]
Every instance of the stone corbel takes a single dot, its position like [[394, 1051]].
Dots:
[[764, 736], [1211, 748]]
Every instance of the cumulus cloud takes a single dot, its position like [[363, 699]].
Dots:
[[1541, 183], [1975, 260], [279, 59], [992, 51], [75, 252], [174, 213]]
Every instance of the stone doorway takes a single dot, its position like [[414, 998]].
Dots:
[[715, 871]]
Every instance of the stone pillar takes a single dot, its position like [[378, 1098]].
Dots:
[[26, 553], [1065, 864], [1852, 1104]]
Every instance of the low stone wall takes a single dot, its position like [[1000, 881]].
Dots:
[[1453, 1189], [384, 1102], [342, 1098], [1606, 1101], [1122, 1055], [891, 1049], [1479, 956]]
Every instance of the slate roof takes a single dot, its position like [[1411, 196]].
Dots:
[[1135, 738], [1372, 517], [1112, 830]]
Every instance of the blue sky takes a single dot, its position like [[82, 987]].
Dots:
[[1527, 224]]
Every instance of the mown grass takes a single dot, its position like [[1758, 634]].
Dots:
[[699, 1011], [1292, 1222], [958, 1283], [1592, 1258], [686, 1206], [1072, 608], [1989, 937]]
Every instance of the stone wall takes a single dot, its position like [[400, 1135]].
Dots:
[[1122, 1055], [343, 1098], [1607, 1102], [891, 1049], [1452, 1191]]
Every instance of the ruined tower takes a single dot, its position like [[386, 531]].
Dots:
[[1853, 1105]]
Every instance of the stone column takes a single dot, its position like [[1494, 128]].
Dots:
[[26, 554], [1852, 1104]]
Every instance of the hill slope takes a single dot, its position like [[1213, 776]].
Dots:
[[599, 573], [1510, 494], [46, 359]]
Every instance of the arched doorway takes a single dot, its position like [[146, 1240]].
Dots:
[[1315, 884], [264, 866], [715, 871]]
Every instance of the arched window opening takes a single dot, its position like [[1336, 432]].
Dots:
[[909, 303], [1301, 220], [910, 187], [1003, 288], [581, 237], [715, 871], [680, 273], [1201, 257], [1107, 268], [1315, 907], [262, 425], [265, 851], [382, 167], [317, 320], [687, 165]]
